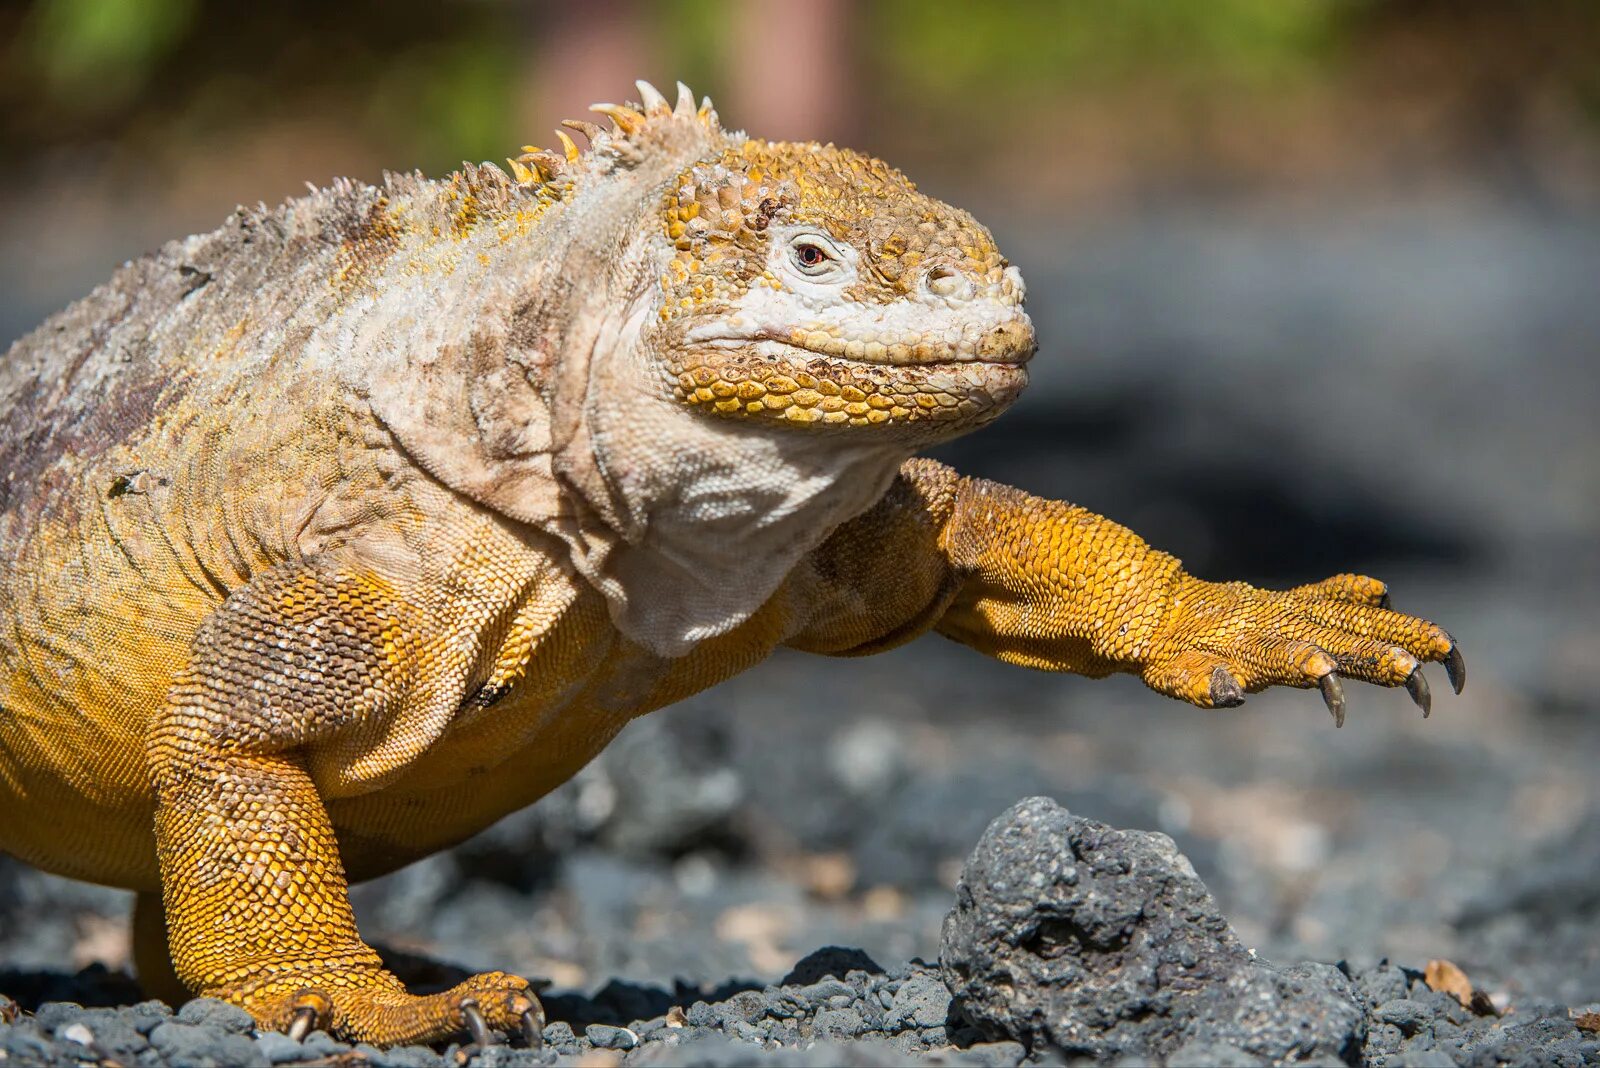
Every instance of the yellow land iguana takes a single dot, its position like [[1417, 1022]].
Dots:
[[332, 536]]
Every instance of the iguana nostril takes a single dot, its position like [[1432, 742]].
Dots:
[[948, 282]]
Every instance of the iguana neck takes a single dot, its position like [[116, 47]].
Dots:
[[689, 524]]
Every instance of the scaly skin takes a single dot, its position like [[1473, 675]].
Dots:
[[331, 537]]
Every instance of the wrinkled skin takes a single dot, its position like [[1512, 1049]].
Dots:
[[332, 536]]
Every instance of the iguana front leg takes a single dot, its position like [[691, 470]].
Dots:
[[1050, 585], [307, 666]]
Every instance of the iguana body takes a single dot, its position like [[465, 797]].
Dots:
[[332, 536]]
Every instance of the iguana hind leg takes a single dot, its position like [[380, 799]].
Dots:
[[257, 906]]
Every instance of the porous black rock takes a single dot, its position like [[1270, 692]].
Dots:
[[1070, 935]]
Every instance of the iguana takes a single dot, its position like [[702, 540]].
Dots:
[[332, 536]]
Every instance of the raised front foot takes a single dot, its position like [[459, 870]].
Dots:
[[373, 1006], [1221, 641]]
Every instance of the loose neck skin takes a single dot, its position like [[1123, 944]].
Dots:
[[707, 517]]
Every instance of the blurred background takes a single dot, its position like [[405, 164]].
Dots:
[[1318, 289]]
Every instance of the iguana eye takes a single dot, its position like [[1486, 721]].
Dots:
[[815, 259], [811, 258]]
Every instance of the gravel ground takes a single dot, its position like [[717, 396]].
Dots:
[[1438, 432], [1067, 939]]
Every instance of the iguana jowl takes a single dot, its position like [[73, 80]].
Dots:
[[332, 536]]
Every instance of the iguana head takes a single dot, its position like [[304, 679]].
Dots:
[[816, 287], [807, 286]]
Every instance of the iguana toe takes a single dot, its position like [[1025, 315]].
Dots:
[[1222, 640], [373, 1007]]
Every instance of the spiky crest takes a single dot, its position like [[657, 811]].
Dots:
[[633, 129]]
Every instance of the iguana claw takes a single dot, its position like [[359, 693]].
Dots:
[[1225, 689], [1333, 694], [472, 1018], [311, 1010], [533, 1026], [305, 1018], [1417, 687], [483, 1035], [1456, 667]]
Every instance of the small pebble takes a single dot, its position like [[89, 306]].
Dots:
[[604, 1036], [559, 1035], [77, 1033], [1409, 1016]]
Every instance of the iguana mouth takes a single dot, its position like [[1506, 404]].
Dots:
[[1009, 342]]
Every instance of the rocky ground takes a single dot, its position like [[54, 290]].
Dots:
[[1410, 395], [1067, 940]]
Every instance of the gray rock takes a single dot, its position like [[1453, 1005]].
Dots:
[[747, 1006], [1068, 934], [53, 1015], [604, 1036], [147, 1015], [991, 1055], [1426, 1058], [715, 1051], [1217, 1054], [503, 1057], [203, 1047], [29, 1045], [559, 1035], [401, 1057], [1382, 1038], [838, 1023], [1306, 1012], [922, 1001], [213, 1013], [322, 1044], [279, 1048], [822, 991], [107, 1032], [1383, 983], [1409, 1016]]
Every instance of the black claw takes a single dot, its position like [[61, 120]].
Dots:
[[1225, 690], [477, 1026], [1417, 687], [1333, 694], [533, 1026], [1456, 668], [305, 1018], [1384, 602]]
